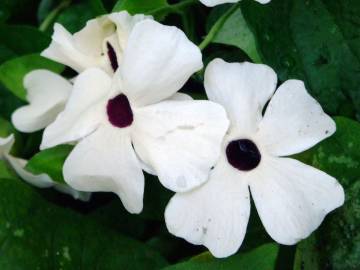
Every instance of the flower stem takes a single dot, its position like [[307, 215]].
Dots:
[[53, 14], [217, 26], [174, 7]]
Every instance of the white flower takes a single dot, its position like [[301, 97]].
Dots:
[[100, 43], [178, 139], [47, 93], [41, 180], [212, 3], [291, 198]]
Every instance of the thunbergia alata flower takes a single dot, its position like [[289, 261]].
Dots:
[[133, 119], [291, 198], [212, 3], [41, 180], [99, 44]]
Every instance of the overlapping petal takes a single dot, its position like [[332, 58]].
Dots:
[[84, 111], [242, 88], [180, 140], [88, 48], [214, 215], [47, 93], [81, 50], [157, 62], [292, 198], [124, 24], [106, 161]]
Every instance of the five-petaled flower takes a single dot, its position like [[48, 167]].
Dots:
[[133, 120], [291, 198], [100, 43]]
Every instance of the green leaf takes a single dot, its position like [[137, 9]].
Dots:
[[98, 7], [142, 6], [307, 255], [5, 171], [37, 234], [158, 8], [21, 40], [338, 238], [13, 71], [17, 9], [235, 31], [306, 41], [74, 17], [50, 161], [8, 102], [261, 258]]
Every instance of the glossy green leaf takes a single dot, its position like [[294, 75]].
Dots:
[[305, 40], [50, 161], [98, 7], [307, 255], [74, 17], [141, 6], [338, 239], [261, 258], [236, 32], [158, 8], [21, 40], [37, 234], [13, 71]]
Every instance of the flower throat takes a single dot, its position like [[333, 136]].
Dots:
[[119, 111]]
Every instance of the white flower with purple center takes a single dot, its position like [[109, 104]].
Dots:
[[100, 43], [212, 3], [135, 121], [291, 198]]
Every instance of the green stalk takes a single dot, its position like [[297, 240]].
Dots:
[[53, 14], [217, 26]]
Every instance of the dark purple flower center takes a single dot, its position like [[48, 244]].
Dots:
[[243, 154], [119, 111], [112, 56]]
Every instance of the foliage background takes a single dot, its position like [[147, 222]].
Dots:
[[317, 41]]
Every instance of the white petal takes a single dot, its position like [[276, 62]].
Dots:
[[77, 195], [157, 62], [41, 180], [47, 93], [292, 198], [106, 161], [124, 24], [242, 88], [84, 111], [293, 121], [180, 97], [81, 50], [212, 3], [214, 215], [180, 140]]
